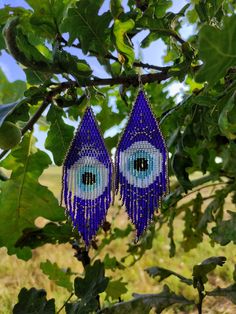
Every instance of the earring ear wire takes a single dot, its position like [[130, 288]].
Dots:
[[88, 96], [140, 83]]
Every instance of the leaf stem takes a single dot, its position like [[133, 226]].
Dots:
[[29, 125], [201, 297], [67, 300], [204, 187]]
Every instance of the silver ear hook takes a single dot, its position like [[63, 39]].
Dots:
[[88, 96], [140, 83]]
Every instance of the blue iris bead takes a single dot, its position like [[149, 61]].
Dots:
[[88, 178], [140, 164]]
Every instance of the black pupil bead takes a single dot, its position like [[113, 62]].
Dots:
[[141, 164], [88, 178]]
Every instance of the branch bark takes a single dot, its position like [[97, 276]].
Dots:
[[119, 80]]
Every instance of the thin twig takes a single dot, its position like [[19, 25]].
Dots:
[[201, 297], [68, 299], [82, 255], [204, 187], [29, 125]]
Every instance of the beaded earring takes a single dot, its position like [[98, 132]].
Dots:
[[141, 165], [87, 178]]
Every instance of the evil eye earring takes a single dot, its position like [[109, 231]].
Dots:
[[87, 178], [141, 165]]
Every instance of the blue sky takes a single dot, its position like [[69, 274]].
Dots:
[[153, 54]]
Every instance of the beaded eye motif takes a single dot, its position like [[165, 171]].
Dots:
[[141, 165], [87, 178]]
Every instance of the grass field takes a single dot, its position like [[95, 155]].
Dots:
[[15, 274]]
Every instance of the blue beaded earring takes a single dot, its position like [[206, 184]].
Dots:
[[87, 178], [141, 165]]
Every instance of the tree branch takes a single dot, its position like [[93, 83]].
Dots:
[[29, 125], [201, 297], [67, 300], [131, 80], [109, 56]]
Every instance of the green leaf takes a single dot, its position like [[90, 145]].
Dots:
[[143, 303], [59, 136], [201, 9], [36, 77], [37, 93], [200, 271], [6, 110], [211, 9], [48, 15], [116, 68], [152, 36], [52, 233], [228, 292], [58, 275], [112, 119], [116, 8], [188, 137], [112, 263], [213, 209], [123, 45], [228, 156], [10, 92], [115, 234], [87, 289], [137, 250], [93, 283], [161, 7], [225, 230], [192, 237], [111, 142], [164, 273], [172, 246], [34, 301], [115, 289], [227, 119], [84, 23], [71, 64], [180, 162], [192, 234], [19, 212], [217, 51], [31, 52]]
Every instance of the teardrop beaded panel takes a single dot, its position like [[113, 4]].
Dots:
[[141, 165], [87, 178]]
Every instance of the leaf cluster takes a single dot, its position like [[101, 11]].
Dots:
[[58, 43]]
